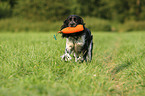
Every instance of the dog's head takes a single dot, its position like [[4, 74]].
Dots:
[[72, 21]]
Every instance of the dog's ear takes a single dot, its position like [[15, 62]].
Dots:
[[65, 24], [81, 21], [65, 21]]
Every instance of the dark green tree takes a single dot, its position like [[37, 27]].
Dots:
[[42, 9]]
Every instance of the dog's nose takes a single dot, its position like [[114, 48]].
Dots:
[[72, 24]]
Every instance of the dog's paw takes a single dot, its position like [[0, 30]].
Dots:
[[79, 59], [66, 57]]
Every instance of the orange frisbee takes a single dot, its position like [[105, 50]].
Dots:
[[69, 30]]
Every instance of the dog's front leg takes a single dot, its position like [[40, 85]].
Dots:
[[68, 50], [76, 57], [66, 56]]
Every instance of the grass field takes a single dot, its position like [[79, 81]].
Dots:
[[30, 65]]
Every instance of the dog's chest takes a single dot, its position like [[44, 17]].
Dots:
[[75, 43]]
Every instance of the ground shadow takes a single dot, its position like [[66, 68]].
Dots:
[[121, 67]]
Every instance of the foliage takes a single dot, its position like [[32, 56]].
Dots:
[[5, 10], [134, 26], [46, 15], [26, 25], [30, 64], [42, 9], [22, 25], [121, 10], [95, 24]]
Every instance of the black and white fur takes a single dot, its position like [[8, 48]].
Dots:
[[80, 43]]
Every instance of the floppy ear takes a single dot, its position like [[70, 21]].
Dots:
[[81, 21], [65, 24]]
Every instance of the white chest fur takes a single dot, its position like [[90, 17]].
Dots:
[[76, 44]]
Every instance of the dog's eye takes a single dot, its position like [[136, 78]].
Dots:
[[70, 19], [75, 19]]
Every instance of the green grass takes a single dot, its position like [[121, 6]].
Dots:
[[30, 65]]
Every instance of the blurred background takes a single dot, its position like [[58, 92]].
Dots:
[[48, 15]]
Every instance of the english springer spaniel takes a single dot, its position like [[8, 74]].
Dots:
[[80, 43]]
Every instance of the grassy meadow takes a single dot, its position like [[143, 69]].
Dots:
[[30, 65]]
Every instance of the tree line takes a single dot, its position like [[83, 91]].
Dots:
[[117, 10]]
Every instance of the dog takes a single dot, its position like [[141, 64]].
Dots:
[[80, 43]]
